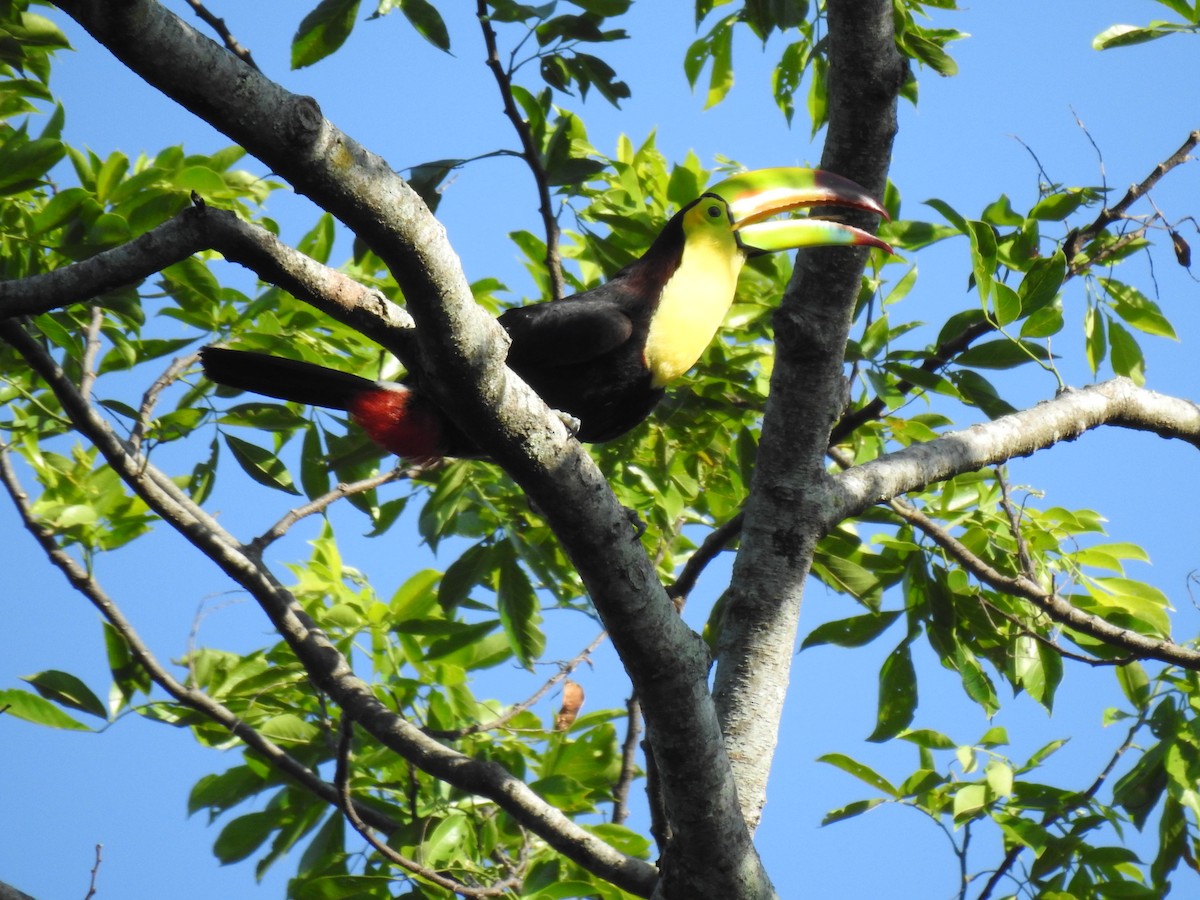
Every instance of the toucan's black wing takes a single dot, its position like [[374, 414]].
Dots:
[[566, 332]]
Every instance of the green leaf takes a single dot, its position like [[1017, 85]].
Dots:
[[322, 31], [314, 469], [289, 728], [1056, 207], [464, 574], [243, 836], [23, 163], [519, 611], [930, 740], [67, 690], [428, 22], [850, 810], [226, 790], [1128, 35], [1002, 353], [1095, 343], [1007, 303], [852, 632], [129, 677], [33, 708], [1126, 355], [1135, 683], [975, 680], [969, 799], [261, 464], [897, 695], [1136, 309], [1042, 282], [859, 771]]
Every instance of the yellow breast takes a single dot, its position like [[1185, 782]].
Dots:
[[693, 305]]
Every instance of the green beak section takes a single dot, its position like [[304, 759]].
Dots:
[[754, 197]]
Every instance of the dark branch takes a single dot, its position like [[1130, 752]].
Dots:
[[529, 152], [218, 25]]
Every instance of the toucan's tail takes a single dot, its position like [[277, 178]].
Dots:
[[284, 379], [397, 418]]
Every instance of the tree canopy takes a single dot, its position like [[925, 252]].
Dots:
[[512, 688]]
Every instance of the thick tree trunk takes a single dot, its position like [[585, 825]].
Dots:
[[785, 514]]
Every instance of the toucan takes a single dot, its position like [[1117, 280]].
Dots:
[[601, 358]]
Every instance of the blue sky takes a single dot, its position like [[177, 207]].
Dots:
[[1026, 73]]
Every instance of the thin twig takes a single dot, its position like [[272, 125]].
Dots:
[[95, 871], [150, 398], [91, 349], [320, 504], [710, 548], [530, 152], [1014, 524], [1110, 214], [628, 761], [341, 780], [565, 669], [218, 25]]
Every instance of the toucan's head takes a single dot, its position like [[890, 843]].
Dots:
[[749, 201]]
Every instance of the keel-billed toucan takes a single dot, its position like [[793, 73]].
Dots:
[[604, 356]]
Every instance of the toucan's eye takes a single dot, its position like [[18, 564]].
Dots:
[[714, 211]]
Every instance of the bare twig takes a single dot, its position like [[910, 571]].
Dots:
[[320, 504], [95, 871], [1110, 214], [710, 548], [341, 779], [565, 669], [91, 349], [218, 25], [628, 761], [150, 398], [529, 152]]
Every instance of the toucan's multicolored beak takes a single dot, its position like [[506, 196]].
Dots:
[[754, 197]]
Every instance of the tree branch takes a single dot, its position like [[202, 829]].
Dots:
[[218, 25], [320, 504], [203, 227], [1070, 414], [941, 355], [1051, 603], [529, 151], [1111, 214], [462, 353], [330, 670], [87, 585], [629, 750], [348, 806], [782, 524]]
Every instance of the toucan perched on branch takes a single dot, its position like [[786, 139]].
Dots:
[[602, 357]]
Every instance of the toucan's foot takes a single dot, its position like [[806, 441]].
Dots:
[[572, 423], [639, 527]]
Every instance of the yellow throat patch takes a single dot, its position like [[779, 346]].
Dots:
[[694, 301]]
